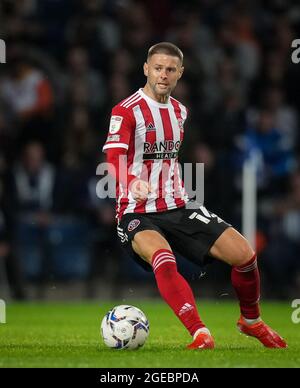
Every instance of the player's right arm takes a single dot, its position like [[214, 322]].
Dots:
[[121, 128]]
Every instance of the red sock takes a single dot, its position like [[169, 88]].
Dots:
[[175, 290], [246, 281]]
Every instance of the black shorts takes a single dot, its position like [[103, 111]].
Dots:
[[190, 232]]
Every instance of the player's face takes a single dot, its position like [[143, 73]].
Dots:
[[162, 72]]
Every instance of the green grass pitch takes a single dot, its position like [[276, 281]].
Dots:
[[68, 335]]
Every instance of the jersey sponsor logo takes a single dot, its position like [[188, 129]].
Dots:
[[133, 225], [161, 155], [115, 124], [113, 138], [167, 149], [162, 146]]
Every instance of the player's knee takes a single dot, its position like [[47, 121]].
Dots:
[[146, 243], [245, 253]]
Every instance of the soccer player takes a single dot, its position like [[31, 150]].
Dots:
[[145, 134]]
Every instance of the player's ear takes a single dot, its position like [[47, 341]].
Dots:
[[146, 69], [181, 72]]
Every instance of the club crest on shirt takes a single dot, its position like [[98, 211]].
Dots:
[[133, 225], [115, 124]]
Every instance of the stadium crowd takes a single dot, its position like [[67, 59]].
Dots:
[[70, 61]]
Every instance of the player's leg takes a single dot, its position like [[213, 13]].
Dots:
[[152, 247], [147, 242], [232, 248]]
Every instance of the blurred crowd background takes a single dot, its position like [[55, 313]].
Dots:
[[70, 61]]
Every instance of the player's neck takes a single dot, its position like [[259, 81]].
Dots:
[[158, 98]]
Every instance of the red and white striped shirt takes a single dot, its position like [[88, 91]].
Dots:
[[152, 133]]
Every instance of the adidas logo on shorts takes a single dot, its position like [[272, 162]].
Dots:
[[123, 236]]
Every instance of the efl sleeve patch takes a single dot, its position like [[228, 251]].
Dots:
[[115, 124]]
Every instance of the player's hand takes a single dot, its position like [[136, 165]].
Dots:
[[140, 190]]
